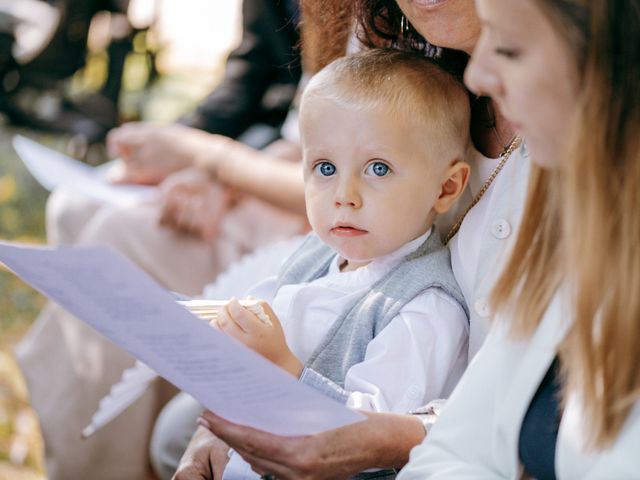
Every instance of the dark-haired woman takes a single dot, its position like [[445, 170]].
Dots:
[[479, 235]]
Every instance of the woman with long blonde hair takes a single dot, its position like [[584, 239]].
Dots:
[[447, 32], [555, 390]]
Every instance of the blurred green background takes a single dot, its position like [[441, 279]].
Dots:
[[22, 203], [190, 60]]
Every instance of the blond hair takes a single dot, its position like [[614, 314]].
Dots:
[[406, 85], [581, 225]]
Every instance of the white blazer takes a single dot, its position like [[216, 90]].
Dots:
[[478, 432]]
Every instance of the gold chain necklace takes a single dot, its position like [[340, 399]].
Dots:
[[504, 156]]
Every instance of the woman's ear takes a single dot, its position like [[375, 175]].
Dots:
[[455, 179]]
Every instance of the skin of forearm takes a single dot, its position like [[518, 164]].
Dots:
[[383, 441], [276, 181], [390, 438]]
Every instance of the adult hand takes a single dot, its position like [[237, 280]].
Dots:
[[383, 440], [267, 340], [149, 153], [193, 203], [205, 457]]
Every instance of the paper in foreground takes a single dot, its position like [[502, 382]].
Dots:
[[116, 298]]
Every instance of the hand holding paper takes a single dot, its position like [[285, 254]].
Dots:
[[52, 169], [136, 380], [120, 301], [210, 309], [267, 340]]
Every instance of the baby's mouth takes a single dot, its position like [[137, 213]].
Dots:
[[346, 230]]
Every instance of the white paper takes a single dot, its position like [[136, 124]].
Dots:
[[109, 293], [52, 169], [131, 387], [135, 380]]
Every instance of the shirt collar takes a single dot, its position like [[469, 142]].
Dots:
[[385, 262]]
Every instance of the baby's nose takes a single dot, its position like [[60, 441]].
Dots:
[[347, 195]]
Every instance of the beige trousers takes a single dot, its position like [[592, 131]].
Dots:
[[69, 367]]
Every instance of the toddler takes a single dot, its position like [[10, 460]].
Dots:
[[367, 310]]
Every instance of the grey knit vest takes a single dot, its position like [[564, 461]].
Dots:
[[346, 342]]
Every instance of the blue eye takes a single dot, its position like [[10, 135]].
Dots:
[[325, 169], [378, 169]]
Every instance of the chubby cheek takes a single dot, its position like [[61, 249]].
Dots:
[[320, 217], [317, 218], [395, 221], [315, 202], [409, 218]]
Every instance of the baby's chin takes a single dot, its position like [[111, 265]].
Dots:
[[357, 259], [359, 249]]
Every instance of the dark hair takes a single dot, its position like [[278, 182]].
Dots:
[[325, 29], [381, 23]]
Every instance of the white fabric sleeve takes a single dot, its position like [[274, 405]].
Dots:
[[418, 357], [265, 290], [449, 451]]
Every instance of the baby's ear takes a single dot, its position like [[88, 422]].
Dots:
[[455, 179]]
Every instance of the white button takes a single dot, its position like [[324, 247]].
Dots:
[[481, 306], [501, 229]]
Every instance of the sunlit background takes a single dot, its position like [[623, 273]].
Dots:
[[189, 40]]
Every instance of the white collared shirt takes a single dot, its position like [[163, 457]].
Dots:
[[482, 245], [419, 356]]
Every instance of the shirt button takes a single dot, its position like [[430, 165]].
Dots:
[[501, 229], [481, 306]]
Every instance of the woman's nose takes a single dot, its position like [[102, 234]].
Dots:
[[480, 75]]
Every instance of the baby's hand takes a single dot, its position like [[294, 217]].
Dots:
[[267, 340]]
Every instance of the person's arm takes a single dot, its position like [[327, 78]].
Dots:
[[193, 204], [205, 457], [430, 347], [151, 153], [258, 173], [383, 440]]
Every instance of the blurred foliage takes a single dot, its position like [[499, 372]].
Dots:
[[20, 441], [22, 203], [22, 218]]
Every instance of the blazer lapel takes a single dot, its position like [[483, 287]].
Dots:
[[535, 359]]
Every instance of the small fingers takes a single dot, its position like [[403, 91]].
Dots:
[[227, 323], [271, 317], [243, 317]]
